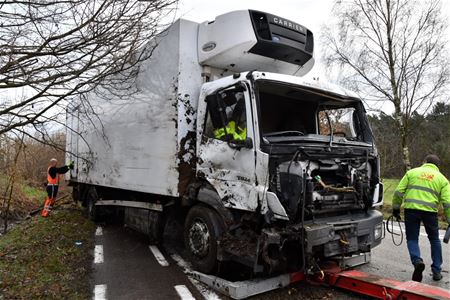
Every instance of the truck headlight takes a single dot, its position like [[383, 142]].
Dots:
[[378, 231]]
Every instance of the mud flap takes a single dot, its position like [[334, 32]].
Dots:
[[148, 222]]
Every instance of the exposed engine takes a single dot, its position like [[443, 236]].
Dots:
[[323, 186], [316, 193]]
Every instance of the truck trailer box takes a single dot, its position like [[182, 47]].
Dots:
[[140, 142]]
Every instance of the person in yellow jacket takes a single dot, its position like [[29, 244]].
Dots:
[[237, 134], [236, 126], [421, 190]]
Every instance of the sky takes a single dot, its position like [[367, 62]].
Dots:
[[312, 14]]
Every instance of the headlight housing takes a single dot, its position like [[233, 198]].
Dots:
[[378, 231]]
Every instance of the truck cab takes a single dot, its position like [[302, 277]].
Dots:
[[299, 154], [290, 163]]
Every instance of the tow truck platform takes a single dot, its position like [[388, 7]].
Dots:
[[332, 275]]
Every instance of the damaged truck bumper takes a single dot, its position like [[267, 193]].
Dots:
[[358, 233], [289, 248]]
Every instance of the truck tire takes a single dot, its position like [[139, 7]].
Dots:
[[202, 229]]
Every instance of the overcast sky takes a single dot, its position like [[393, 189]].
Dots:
[[309, 13]]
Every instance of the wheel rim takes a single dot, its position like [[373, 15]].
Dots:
[[199, 238]]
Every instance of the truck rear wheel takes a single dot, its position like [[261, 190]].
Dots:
[[202, 229]]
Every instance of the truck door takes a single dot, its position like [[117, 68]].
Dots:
[[226, 149]]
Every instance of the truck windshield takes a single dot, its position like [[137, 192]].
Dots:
[[338, 121], [290, 113]]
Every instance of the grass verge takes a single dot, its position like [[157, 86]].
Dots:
[[48, 257]]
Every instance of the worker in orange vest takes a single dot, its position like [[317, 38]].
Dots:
[[53, 174]]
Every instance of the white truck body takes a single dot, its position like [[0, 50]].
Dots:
[[135, 143], [264, 161]]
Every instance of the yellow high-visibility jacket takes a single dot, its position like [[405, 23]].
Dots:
[[239, 134], [423, 188]]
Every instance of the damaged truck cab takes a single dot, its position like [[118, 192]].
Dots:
[[264, 167], [304, 181]]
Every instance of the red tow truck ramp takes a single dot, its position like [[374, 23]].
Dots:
[[384, 288], [355, 281]]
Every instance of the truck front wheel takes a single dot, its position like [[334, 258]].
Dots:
[[202, 229]]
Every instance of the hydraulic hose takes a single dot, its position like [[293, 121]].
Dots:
[[390, 228]]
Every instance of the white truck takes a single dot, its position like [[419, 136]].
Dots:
[[266, 168]]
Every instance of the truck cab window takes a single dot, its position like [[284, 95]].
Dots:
[[226, 117], [339, 120]]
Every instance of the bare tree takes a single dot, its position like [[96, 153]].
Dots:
[[391, 50], [10, 185], [51, 51]]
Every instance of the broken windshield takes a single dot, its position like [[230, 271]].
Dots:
[[290, 113], [337, 122]]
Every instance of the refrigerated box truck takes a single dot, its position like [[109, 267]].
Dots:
[[263, 167]]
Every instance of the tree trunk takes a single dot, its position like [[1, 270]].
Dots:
[[10, 185], [403, 138]]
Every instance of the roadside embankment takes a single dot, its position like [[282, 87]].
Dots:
[[24, 198], [48, 257]]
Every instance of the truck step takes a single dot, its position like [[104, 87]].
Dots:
[[247, 288]]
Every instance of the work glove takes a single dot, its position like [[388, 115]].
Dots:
[[71, 165], [396, 214]]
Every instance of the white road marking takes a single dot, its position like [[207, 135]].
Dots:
[[206, 292], [98, 254], [181, 263], [100, 292], [158, 255], [99, 231], [184, 292]]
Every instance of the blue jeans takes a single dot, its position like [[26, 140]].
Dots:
[[430, 221]]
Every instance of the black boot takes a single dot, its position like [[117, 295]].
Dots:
[[437, 276], [419, 266]]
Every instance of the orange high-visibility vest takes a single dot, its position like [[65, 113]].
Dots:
[[50, 180]]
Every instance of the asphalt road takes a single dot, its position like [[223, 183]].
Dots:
[[125, 267], [393, 262]]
